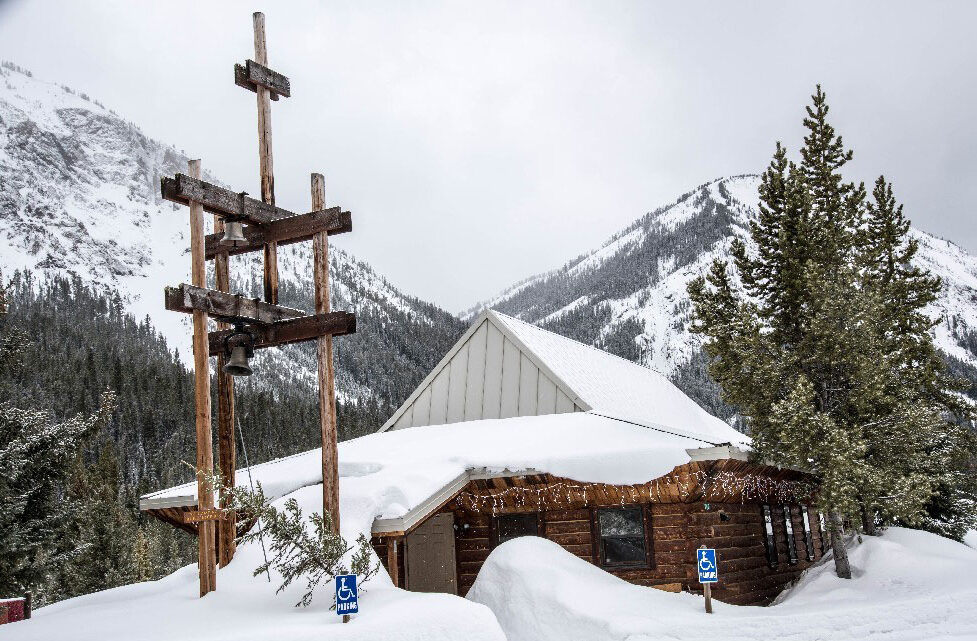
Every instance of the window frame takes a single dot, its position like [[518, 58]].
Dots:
[[597, 541], [789, 539], [496, 528], [808, 536], [769, 536]]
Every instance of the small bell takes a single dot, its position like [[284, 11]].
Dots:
[[233, 233], [237, 364]]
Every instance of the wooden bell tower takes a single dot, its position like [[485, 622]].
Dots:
[[264, 323]]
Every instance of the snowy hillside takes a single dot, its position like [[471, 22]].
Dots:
[[79, 195], [629, 295]]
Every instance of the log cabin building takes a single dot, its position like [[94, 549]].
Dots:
[[626, 472]]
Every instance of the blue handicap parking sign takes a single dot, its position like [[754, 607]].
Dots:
[[346, 594], [708, 569]]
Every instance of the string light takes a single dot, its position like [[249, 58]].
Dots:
[[720, 487]]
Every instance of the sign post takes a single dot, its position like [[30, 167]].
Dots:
[[346, 601], [708, 573]]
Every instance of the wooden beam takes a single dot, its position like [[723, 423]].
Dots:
[[283, 231], [201, 374], [223, 306], [295, 330], [325, 372], [265, 159], [181, 189], [252, 74], [226, 444]]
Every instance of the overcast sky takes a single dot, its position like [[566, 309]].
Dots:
[[479, 143]]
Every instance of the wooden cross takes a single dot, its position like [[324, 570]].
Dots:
[[266, 322]]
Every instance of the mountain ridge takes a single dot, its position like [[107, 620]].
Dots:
[[628, 294], [80, 197]]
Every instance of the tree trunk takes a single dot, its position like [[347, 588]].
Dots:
[[842, 567], [868, 521]]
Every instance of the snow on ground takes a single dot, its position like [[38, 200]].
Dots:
[[246, 608], [381, 475], [909, 586]]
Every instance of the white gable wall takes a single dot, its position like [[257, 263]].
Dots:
[[486, 375]]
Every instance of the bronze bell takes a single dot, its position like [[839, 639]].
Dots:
[[238, 347], [237, 364], [233, 233]]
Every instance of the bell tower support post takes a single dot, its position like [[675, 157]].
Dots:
[[226, 445], [326, 374], [201, 375]]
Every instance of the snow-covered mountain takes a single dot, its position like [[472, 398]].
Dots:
[[629, 294], [79, 195]]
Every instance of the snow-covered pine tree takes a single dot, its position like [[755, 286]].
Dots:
[[943, 451], [35, 456], [102, 532], [806, 350]]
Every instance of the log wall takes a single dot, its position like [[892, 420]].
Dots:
[[679, 519]]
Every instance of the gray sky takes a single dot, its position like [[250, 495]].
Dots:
[[479, 143]]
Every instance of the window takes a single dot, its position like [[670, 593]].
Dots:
[[622, 537], [512, 526], [824, 533], [768, 536], [789, 534], [808, 540]]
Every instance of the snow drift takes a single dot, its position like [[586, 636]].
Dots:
[[908, 586]]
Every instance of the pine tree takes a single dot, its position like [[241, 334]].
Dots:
[[920, 379], [825, 350], [102, 531], [34, 455]]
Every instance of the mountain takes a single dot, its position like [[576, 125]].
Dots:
[[79, 197], [628, 296]]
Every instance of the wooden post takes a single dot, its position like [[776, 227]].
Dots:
[[392, 561], [326, 375], [707, 592], [265, 159], [226, 445], [201, 374]]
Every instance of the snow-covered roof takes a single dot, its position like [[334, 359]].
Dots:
[[503, 367], [613, 386], [388, 474]]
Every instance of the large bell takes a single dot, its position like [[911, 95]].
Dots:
[[237, 364], [233, 233]]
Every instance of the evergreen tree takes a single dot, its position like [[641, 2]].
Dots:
[[101, 531], [825, 349], [35, 453]]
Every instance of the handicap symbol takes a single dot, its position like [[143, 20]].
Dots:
[[343, 593], [705, 564]]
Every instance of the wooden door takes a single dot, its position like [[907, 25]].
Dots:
[[431, 556]]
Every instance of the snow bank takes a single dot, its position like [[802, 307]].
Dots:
[[970, 538], [908, 586]]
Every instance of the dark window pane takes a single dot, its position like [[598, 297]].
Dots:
[[808, 539], [768, 537], [622, 522], [789, 536], [512, 526], [622, 536], [624, 550]]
